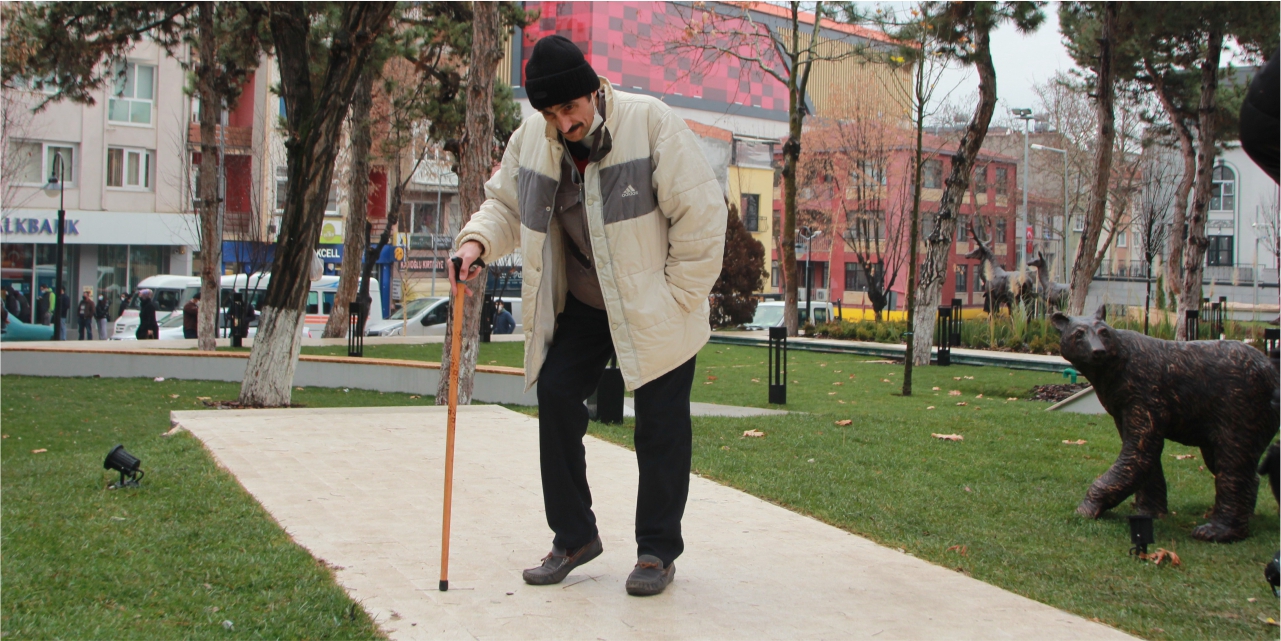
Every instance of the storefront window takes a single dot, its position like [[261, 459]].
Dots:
[[15, 267], [113, 274], [145, 262]]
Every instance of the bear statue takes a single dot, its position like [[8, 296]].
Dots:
[[1215, 395]]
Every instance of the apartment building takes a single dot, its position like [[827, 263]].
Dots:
[[123, 183]]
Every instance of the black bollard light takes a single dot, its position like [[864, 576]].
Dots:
[[1141, 533], [120, 460], [1193, 324], [355, 324], [777, 365], [943, 336]]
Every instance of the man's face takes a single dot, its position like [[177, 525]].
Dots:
[[572, 119]]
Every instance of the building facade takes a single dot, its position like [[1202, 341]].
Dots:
[[123, 184]]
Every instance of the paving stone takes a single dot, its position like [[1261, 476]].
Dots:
[[362, 489]]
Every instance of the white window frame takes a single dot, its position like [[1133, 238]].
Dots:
[[146, 166], [46, 162], [1121, 238], [130, 70], [282, 182], [1221, 187]]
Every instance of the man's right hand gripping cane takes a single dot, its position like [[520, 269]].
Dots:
[[470, 263]]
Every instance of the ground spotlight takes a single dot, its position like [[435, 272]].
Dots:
[[120, 460], [1141, 533]]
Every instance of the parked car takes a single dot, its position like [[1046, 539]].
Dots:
[[427, 317], [770, 314], [169, 292]]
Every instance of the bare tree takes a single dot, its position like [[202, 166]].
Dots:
[[1269, 227], [707, 33], [1152, 220], [846, 171], [17, 125]]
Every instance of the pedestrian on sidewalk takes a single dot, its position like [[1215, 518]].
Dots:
[[61, 305], [100, 313], [191, 317], [614, 188], [503, 321], [147, 327], [85, 312], [44, 306]]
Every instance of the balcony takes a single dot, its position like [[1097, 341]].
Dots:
[[1238, 275], [232, 137]]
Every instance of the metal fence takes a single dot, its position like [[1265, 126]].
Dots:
[[1239, 275]]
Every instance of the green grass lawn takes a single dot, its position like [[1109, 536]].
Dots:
[[191, 540], [505, 354], [1006, 493], [174, 558]]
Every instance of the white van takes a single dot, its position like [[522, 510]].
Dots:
[[320, 297], [770, 314], [170, 293], [428, 317]]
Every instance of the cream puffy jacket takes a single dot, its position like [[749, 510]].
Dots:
[[656, 217]]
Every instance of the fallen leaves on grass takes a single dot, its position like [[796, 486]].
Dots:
[[1161, 555], [711, 378], [1269, 620], [756, 380], [930, 407], [1079, 441], [959, 549], [955, 392], [956, 378], [979, 396], [845, 422], [840, 401], [936, 389], [1184, 457], [831, 393], [962, 404], [159, 379], [173, 396], [1012, 398], [298, 389], [885, 380], [707, 382], [39, 451], [969, 378], [948, 437], [838, 383], [754, 434], [723, 447]]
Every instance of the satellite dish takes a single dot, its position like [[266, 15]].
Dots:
[[317, 266]]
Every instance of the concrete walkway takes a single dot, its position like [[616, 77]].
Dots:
[[361, 488]]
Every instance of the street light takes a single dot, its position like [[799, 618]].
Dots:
[[1065, 198], [57, 182], [808, 235], [1026, 116]]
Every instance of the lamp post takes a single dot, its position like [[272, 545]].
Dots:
[[57, 181], [1065, 197], [1026, 116], [808, 235]]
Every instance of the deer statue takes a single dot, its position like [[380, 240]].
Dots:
[[1054, 294], [1002, 287]]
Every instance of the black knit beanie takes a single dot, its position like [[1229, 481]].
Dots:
[[557, 73]]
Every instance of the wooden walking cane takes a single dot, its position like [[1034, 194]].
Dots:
[[456, 344]]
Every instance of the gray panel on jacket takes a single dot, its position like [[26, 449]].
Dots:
[[537, 194], [628, 190]]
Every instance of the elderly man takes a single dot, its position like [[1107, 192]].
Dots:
[[621, 227]]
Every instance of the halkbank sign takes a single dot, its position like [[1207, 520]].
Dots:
[[39, 226]]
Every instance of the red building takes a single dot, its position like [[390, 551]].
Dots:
[[860, 197]]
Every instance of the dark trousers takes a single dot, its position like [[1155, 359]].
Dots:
[[86, 328], [188, 333], [581, 348]]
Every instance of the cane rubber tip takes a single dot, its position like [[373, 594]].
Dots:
[[444, 586]]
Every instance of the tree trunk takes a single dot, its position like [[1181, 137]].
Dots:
[[354, 240], [314, 125], [791, 158], [475, 167], [939, 244], [1177, 237], [914, 227], [1194, 255], [1087, 260], [207, 187]]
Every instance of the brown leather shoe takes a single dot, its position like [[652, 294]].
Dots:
[[649, 577], [557, 564]]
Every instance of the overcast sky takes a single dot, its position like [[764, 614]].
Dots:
[[1021, 62]]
